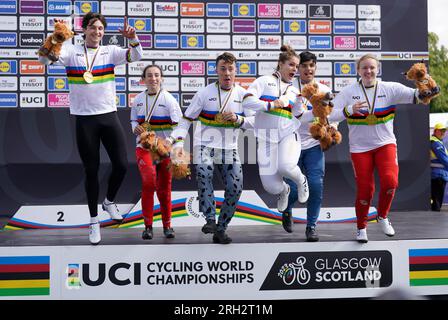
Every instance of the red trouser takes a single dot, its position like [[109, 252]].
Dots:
[[154, 178], [385, 160]]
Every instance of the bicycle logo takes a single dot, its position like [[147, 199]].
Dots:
[[295, 271]]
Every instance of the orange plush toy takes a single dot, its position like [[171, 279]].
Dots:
[[426, 86], [53, 44], [322, 106], [154, 145], [179, 165]]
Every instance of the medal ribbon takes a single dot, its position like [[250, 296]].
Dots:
[[153, 107], [226, 100], [279, 84], [370, 106], [89, 69]]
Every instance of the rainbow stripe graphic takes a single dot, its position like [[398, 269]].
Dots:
[[428, 267], [383, 115], [25, 276], [73, 276], [18, 224]]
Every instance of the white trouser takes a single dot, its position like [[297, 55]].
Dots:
[[279, 160]]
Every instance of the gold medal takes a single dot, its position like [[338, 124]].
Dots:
[[88, 77], [146, 126], [218, 118], [371, 119]]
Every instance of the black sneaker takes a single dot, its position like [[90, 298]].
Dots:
[[168, 232], [221, 237], [209, 227], [311, 234], [287, 221], [147, 233]]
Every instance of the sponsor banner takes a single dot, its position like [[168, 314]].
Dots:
[[8, 7], [8, 67], [8, 23], [246, 68], [243, 10], [269, 26], [56, 69], [83, 7], [31, 67], [344, 11], [192, 68], [34, 40], [78, 40], [369, 43], [113, 8], [136, 84], [8, 39], [145, 40], [169, 68], [169, 25], [120, 100], [32, 7], [344, 27], [218, 10], [345, 69], [166, 9], [218, 26], [120, 83], [131, 97], [136, 68], [319, 27], [319, 42], [244, 42], [330, 270], [243, 26], [171, 84], [215, 41], [324, 68], [59, 7], [294, 10], [271, 10], [32, 100], [141, 24], [192, 25], [369, 11], [57, 84], [244, 82], [341, 83], [50, 22], [58, 100], [211, 68], [8, 100], [190, 41], [192, 9], [191, 84], [269, 42], [114, 24], [297, 42], [139, 8], [77, 24], [120, 70], [114, 39], [369, 27], [266, 67], [31, 23], [326, 81], [344, 42], [294, 26], [8, 83], [186, 99], [168, 41], [319, 11], [176, 96]]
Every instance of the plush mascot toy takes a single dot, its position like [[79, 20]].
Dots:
[[322, 106], [179, 165], [53, 44], [425, 84]]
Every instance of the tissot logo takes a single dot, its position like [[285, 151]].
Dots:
[[319, 11], [28, 23], [31, 39], [192, 25], [244, 42], [139, 8], [369, 43], [294, 10], [369, 12], [330, 270]]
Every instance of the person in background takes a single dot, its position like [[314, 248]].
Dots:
[[439, 166], [157, 110], [91, 79]]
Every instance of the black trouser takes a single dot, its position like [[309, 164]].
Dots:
[[90, 131], [437, 193]]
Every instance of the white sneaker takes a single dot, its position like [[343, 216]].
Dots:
[[94, 233], [282, 202], [386, 226], [303, 191], [361, 235], [112, 210]]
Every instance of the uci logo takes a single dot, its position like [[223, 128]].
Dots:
[[356, 97]]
